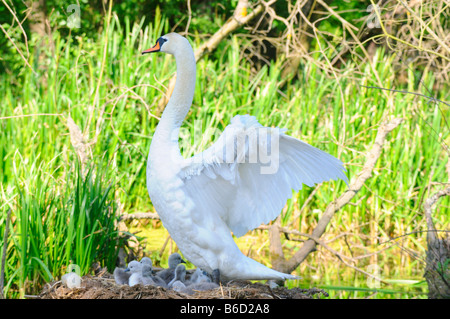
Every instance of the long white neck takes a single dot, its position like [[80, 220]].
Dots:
[[166, 134]]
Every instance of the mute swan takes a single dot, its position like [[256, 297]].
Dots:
[[200, 199], [135, 269], [199, 276], [147, 261], [179, 275], [121, 276], [149, 279], [180, 284], [168, 274]]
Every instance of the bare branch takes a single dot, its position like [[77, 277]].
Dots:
[[425, 25], [346, 197], [18, 50]]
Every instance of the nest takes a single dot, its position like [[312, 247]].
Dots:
[[105, 287]]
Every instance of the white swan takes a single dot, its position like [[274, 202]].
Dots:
[[200, 199]]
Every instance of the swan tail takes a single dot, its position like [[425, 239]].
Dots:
[[253, 270]]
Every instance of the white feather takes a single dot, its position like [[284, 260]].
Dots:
[[238, 191]]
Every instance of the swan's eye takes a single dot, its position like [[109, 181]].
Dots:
[[161, 41]]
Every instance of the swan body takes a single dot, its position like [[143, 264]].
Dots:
[[202, 198], [180, 284], [121, 276], [199, 276], [146, 278], [149, 279], [135, 269], [180, 287], [179, 276]]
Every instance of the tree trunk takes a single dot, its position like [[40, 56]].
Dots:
[[37, 17], [437, 271]]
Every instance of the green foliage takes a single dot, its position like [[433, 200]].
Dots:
[[56, 223], [207, 17]]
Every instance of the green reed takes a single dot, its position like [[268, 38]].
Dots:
[[56, 223]]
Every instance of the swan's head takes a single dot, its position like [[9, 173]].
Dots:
[[146, 260], [147, 270], [169, 43], [174, 260], [134, 267]]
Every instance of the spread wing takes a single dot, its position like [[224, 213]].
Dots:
[[249, 173]]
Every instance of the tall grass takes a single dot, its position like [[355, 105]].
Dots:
[[61, 217], [56, 223]]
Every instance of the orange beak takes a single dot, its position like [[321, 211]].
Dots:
[[154, 48]]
